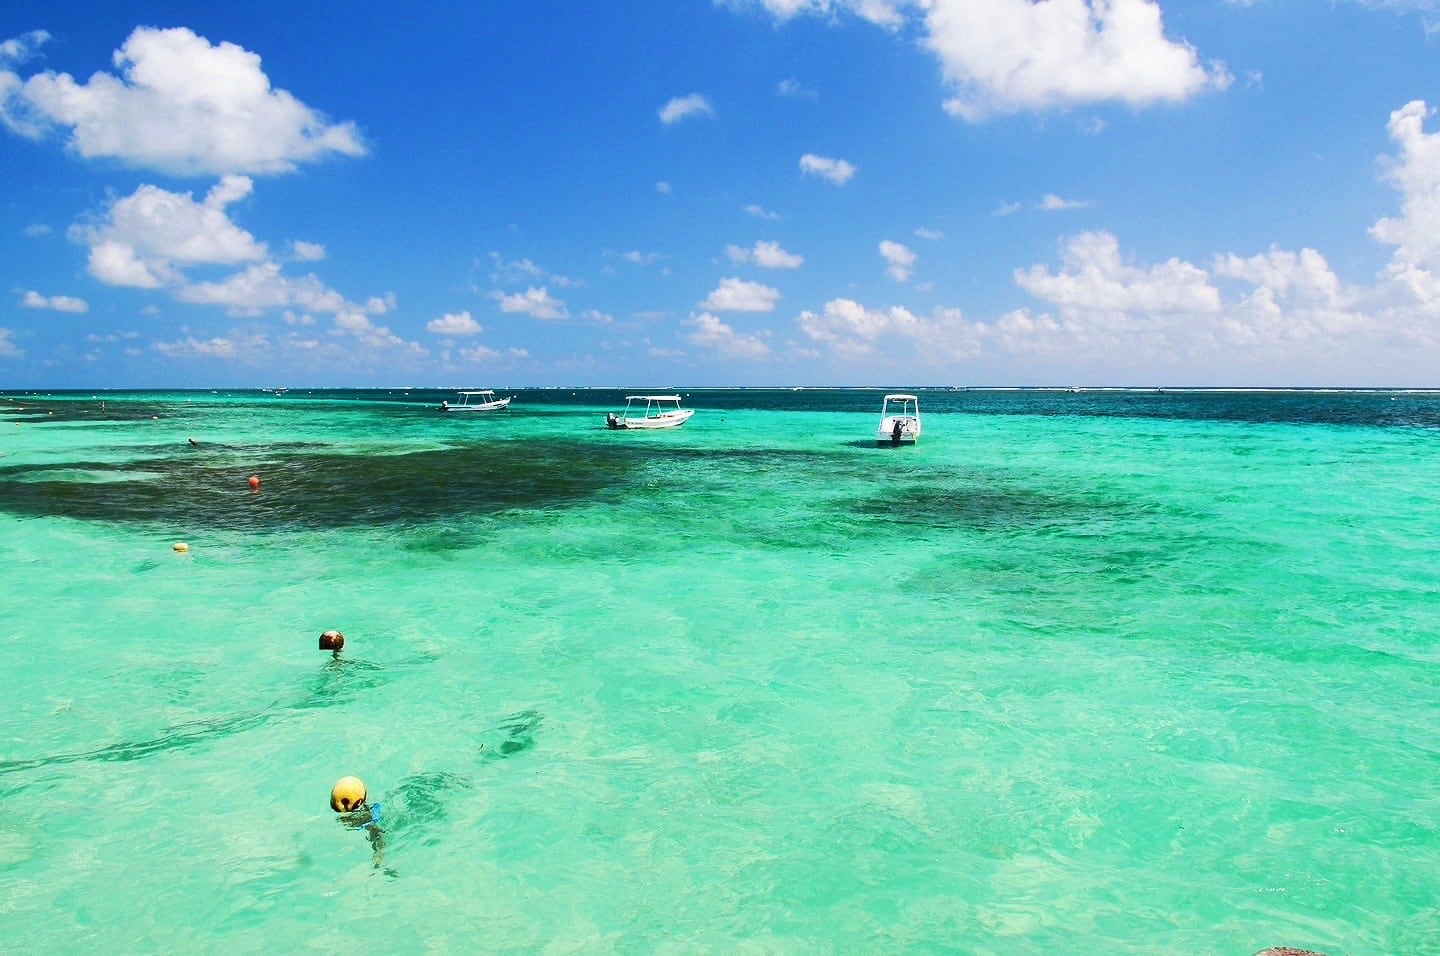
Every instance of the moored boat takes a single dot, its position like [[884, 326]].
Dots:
[[650, 411], [477, 400], [899, 420]]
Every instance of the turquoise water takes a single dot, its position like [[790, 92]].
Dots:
[[1108, 672]]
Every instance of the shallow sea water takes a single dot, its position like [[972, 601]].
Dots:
[[1106, 672]]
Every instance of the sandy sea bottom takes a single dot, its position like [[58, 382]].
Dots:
[[1074, 674]]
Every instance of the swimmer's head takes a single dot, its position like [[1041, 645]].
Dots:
[[347, 795], [332, 641]]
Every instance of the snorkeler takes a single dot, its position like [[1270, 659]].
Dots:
[[332, 641], [349, 799]]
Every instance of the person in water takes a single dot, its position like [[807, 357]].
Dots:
[[350, 799]]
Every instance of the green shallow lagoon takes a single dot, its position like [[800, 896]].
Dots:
[[1107, 672]]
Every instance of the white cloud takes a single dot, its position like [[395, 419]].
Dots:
[[766, 255], [536, 303], [1095, 277], [792, 87], [55, 303], [252, 348], [736, 295], [262, 287], [642, 258], [1054, 203], [303, 251], [480, 353], [36, 230], [900, 260], [19, 49], [143, 239], [374, 338], [1007, 56], [1007, 209], [884, 13], [663, 188], [934, 235], [517, 270], [597, 317], [852, 332], [1415, 234], [760, 212], [1302, 277], [682, 106], [837, 171], [180, 106], [714, 335], [458, 323], [8, 348]]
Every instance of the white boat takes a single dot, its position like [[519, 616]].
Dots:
[[650, 411], [899, 420], [479, 400]]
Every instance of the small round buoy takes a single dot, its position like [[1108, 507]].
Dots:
[[154, 418], [347, 794], [332, 641], [254, 482], [180, 547]]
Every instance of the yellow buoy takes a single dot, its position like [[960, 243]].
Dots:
[[347, 794], [181, 547]]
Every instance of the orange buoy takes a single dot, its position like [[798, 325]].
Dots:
[[254, 482]]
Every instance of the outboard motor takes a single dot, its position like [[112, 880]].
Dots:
[[897, 431], [611, 421]]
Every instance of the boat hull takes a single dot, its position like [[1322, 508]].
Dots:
[[668, 420], [499, 406], [908, 434]]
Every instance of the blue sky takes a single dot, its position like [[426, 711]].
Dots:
[[738, 192]]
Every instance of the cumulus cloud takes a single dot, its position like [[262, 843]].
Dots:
[[852, 332], [458, 323], [143, 239], [17, 50], [55, 303], [1415, 233], [480, 353], [737, 295], [760, 212], [180, 105], [884, 13], [536, 303], [1004, 56], [682, 106], [303, 251], [262, 287], [641, 258], [900, 261], [1054, 203], [933, 235], [717, 337], [766, 255], [1007, 56], [355, 324], [837, 171], [8, 348], [1095, 276]]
